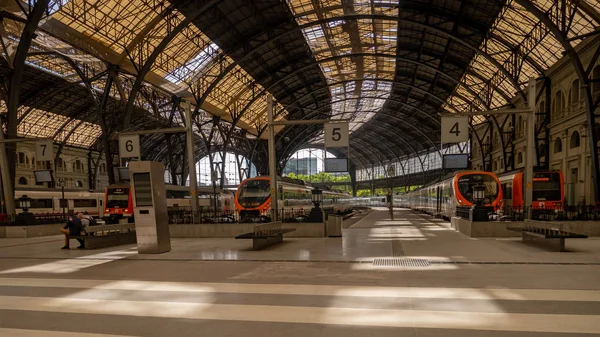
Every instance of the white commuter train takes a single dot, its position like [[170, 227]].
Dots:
[[48, 201]]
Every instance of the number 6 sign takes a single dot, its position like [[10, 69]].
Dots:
[[455, 129], [336, 135], [129, 146]]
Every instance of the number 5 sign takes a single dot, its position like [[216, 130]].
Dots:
[[336, 135], [129, 146], [455, 129]]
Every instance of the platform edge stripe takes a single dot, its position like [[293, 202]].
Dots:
[[9, 332], [314, 290], [313, 315]]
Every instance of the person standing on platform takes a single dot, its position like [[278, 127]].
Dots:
[[72, 228]]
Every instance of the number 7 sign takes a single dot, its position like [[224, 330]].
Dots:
[[44, 150], [455, 129], [336, 135]]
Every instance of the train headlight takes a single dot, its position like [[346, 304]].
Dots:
[[106, 210]]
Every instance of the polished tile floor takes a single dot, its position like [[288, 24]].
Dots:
[[412, 276]]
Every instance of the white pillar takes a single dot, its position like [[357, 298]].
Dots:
[[530, 146], [189, 133], [272, 159]]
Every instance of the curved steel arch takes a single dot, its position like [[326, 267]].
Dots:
[[357, 17], [305, 137], [583, 78], [88, 86], [387, 148], [415, 88], [341, 82], [403, 59], [155, 53]]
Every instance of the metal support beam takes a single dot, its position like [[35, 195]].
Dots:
[[272, 160], [583, 78], [530, 148], [156, 131], [191, 156], [309, 121], [7, 164]]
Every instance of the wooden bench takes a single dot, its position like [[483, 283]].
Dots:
[[265, 235], [552, 238], [101, 236]]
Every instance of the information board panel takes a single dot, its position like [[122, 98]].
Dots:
[[43, 176], [336, 164], [336, 135], [456, 161], [123, 173], [455, 129], [143, 189]]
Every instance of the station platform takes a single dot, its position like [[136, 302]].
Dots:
[[412, 276]]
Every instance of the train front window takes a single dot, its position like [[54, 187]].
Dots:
[[254, 193], [546, 187], [466, 183], [117, 198]]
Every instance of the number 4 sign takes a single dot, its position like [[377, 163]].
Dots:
[[336, 135], [455, 129]]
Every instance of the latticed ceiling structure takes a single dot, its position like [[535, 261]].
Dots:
[[97, 67]]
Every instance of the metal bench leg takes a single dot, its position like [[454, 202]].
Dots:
[[260, 243]]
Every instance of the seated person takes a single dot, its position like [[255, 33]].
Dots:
[[72, 228]]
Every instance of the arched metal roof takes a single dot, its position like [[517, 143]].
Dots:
[[101, 66]]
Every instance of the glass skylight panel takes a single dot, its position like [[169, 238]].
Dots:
[[521, 28], [344, 37], [42, 124]]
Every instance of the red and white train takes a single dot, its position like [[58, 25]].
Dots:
[[119, 203], [442, 197]]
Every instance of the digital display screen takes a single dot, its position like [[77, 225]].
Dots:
[[123, 173], [43, 176], [143, 189], [455, 161], [336, 164]]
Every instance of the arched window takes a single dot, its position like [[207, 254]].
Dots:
[[21, 158], [23, 181], [78, 183], [520, 158], [495, 166], [596, 85], [557, 145], [575, 140], [558, 105], [574, 95]]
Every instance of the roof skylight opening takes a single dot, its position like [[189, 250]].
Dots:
[[360, 93], [313, 33], [194, 66], [335, 23]]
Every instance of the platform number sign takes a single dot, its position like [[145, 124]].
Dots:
[[44, 150], [129, 146], [336, 135], [455, 129]]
